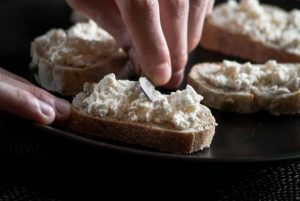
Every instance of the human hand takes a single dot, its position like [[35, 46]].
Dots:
[[22, 98], [158, 34]]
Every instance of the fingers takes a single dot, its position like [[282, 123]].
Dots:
[[174, 18], [142, 20], [210, 7], [13, 76], [107, 15], [198, 10], [31, 102], [24, 104]]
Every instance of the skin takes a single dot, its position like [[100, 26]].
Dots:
[[22, 98], [157, 34]]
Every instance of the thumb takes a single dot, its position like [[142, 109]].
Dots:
[[33, 103], [23, 104]]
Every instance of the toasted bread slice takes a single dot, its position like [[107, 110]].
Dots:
[[62, 61], [266, 91], [160, 136], [253, 32]]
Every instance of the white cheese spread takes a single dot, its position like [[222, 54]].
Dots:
[[270, 79], [262, 23], [82, 45], [124, 100]]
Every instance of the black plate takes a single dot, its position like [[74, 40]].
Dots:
[[238, 138]]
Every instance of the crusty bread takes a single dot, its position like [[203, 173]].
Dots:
[[230, 42], [245, 100], [158, 136], [67, 79]]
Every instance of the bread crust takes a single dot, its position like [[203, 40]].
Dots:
[[69, 80], [217, 38], [239, 101], [146, 134]]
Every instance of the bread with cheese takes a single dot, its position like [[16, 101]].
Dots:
[[253, 31], [118, 110], [62, 61], [248, 88]]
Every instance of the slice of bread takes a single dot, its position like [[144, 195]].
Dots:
[[62, 61], [248, 88], [253, 32], [118, 110]]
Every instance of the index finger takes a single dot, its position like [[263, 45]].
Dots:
[[142, 19]]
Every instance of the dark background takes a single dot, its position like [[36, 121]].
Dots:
[[36, 166]]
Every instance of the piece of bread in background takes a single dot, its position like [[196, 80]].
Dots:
[[63, 61], [119, 110], [253, 32], [247, 88]]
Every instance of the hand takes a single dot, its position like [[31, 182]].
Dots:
[[22, 98], [158, 34]]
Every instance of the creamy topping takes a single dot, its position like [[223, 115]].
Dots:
[[124, 100], [262, 23], [82, 45], [269, 79]]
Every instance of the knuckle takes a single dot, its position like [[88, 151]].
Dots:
[[199, 4], [179, 7], [179, 61], [141, 6]]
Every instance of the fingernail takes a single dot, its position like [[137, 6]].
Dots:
[[63, 107], [46, 109]]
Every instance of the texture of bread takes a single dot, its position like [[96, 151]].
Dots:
[[67, 79], [241, 101], [230, 42], [163, 137]]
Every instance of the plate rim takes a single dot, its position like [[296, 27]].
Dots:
[[128, 149]]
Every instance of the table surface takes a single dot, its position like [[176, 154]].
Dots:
[[36, 166]]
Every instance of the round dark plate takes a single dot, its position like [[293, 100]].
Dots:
[[238, 138], [253, 137]]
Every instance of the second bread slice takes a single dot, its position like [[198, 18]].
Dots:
[[248, 88], [254, 32]]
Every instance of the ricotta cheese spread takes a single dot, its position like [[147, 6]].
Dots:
[[82, 45], [269, 80], [262, 23], [124, 100]]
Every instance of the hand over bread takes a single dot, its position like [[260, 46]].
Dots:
[[158, 34]]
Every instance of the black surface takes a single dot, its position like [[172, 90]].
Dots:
[[37, 166]]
